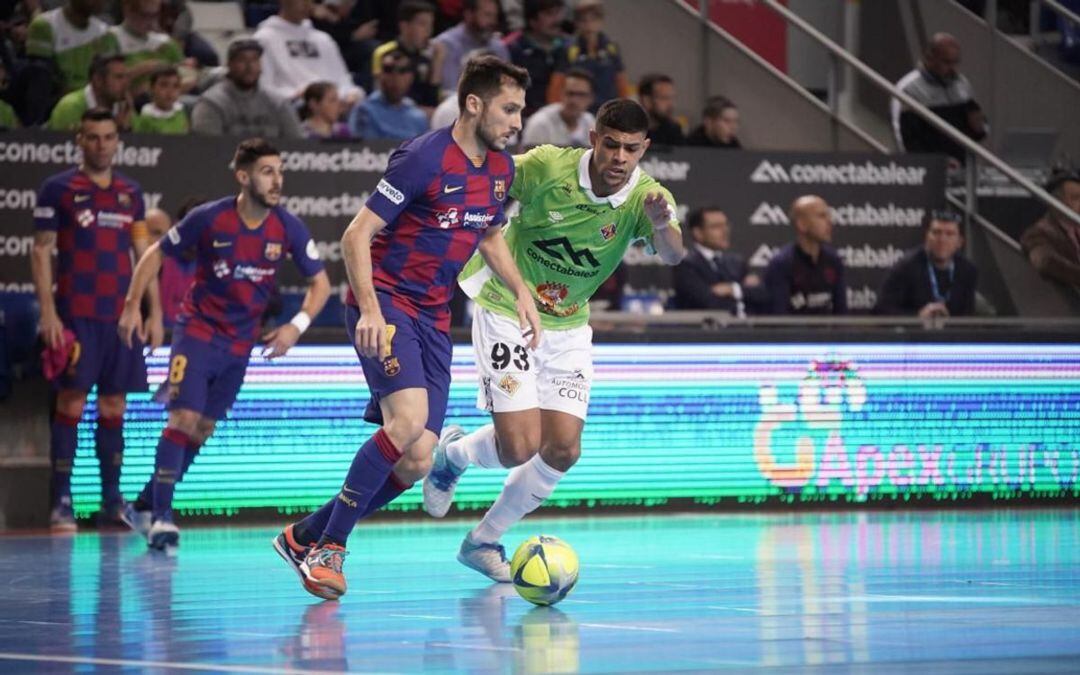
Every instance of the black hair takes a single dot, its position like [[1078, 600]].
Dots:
[[163, 71], [649, 82], [97, 115], [946, 216], [484, 76], [716, 105], [409, 9], [313, 92], [1059, 177], [696, 218], [534, 8], [250, 150], [622, 114], [582, 74], [99, 67]]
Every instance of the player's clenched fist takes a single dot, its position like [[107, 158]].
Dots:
[[371, 334]]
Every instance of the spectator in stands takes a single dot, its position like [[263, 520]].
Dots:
[[164, 114], [108, 88], [807, 276], [536, 47], [938, 85], [476, 31], [8, 118], [711, 276], [389, 113], [594, 51], [69, 37], [297, 54], [1052, 244], [237, 106], [416, 20], [320, 114], [565, 124], [145, 48], [176, 21], [656, 92], [934, 279], [719, 125]]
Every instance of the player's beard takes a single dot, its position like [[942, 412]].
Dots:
[[487, 139], [264, 199]]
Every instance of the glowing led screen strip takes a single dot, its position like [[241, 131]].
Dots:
[[708, 422]]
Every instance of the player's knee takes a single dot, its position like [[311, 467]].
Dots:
[[404, 430], [518, 448], [204, 429], [112, 406], [185, 421], [411, 469], [561, 455], [71, 403]]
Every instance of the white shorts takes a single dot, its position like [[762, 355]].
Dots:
[[557, 375]]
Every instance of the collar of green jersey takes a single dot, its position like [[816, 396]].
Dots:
[[615, 200]]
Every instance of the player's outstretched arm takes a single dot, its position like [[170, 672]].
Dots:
[[281, 339], [667, 240], [145, 271], [356, 251], [52, 329], [497, 255]]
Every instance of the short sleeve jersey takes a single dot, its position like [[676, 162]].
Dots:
[[566, 241], [50, 35], [93, 228], [235, 269], [437, 205]]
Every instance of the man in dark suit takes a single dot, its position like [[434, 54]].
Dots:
[[711, 277], [1053, 243], [934, 280]]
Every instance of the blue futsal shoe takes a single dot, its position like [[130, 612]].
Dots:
[[442, 479], [487, 559]]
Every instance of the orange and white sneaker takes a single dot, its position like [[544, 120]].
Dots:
[[293, 553], [322, 572]]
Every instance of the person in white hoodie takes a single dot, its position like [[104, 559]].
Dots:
[[295, 54]]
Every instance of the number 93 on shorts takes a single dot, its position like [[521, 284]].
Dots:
[[557, 375]]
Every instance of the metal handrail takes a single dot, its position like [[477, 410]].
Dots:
[[1060, 9], [923, 112]]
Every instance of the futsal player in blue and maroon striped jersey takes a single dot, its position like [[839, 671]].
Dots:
[[239, 244], [93, 217], [442, 197]]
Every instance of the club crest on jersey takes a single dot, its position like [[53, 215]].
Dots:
[[391, 366], [272, 251], [608, 231], [85, 218], [551, 293], [500, 189]]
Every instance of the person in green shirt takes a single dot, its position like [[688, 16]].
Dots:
[[145, 49], [69, 36], [8, 118], [108, 89], [580, 211], [164, 114]]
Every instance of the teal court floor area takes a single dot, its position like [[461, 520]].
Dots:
[[994, 591]]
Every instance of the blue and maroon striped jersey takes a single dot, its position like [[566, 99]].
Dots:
[[437, 205], [235, 269], [93, 241]]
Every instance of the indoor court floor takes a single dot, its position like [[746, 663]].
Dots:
[[994, 591]]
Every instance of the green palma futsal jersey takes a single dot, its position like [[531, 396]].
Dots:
[[566, 241]]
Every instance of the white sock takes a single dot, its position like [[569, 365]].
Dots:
[[477, 448], [526, 488]]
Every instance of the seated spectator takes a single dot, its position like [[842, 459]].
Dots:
[[719, 125], [389, 113], [164, 114], [807, 276], [297, 54], [711, 276], [8, 118], [938, 85], [237, 106], [321, 113], [476, 31], [934, 279], [1052, 244], [535, 48], [70, 37], [594, 51], [565, 124], [145, 48], [108, 88], [656, 93], [176, 22], [416, 19]]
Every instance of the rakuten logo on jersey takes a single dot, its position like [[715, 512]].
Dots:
[[848, 215], [850, 173]]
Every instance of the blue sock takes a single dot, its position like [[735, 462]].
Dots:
[[109, 441], [145, 500], [308, 530], [63, 439], [369, 470], [168, 464]]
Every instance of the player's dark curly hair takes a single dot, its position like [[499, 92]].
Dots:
[[250, 150], [484, 76], [622, 114]]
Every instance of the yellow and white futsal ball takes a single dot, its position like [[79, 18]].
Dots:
[[544, 569]]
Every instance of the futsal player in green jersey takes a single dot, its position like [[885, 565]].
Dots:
[[580, 210]]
